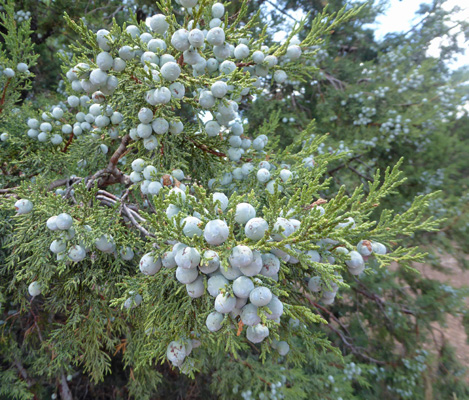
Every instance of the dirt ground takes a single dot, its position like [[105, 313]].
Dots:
[[454, 331]]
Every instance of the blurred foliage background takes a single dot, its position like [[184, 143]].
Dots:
[[379, 100]]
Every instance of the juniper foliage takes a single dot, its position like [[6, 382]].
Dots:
[[101, 315]]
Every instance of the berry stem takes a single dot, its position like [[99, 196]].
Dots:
[[205, 148], [2, 101], [64, 150], [65, 392]]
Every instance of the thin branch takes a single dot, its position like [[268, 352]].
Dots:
[[324, 309], [96, 175], [205, 148], [2, 101], [336, 83], [378, 300], [252, 369], [62, 182], [64, 150], [111, 200], [428, 14], [367, 178], [107, 194], [86, 8], [107, 202], [68, 192], [282, 11], [114, 174], [361, 80], [181, 60], [65, 392], [106, 199], [23, 373], [131, 216], [314, 204], [108, 5], [8, 190], [358, 351], [125, 195], [332, 171], [111, 16], [353, 349], [119, 152], [247, 64]]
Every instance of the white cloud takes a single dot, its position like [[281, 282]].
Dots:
[[400, 17], [279, 32]]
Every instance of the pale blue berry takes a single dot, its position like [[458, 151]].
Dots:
[[242, 287], [255, 228], [64, 221], [149, 265], [225, 303], [260, 296], [214, 321]]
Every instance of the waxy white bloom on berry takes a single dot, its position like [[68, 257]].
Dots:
[[263, 175], [260, 296], [23, 206], [244, 212], [196, 289], [104, 61], [9, 73], [196, 38], [257, 333], [210, 262], [180, 40], [77, 253], [255, 228], [149, 265], [170, 71], [241, 256], [185, 275], [58, 246], [213, 321], [162, 95], [242, 287], [218, 9], [365, 248], [356, 264], [216, 36], [293, 52], [241, 51], [105, 244], [219, 89], [215, 284], [225, 303], [280, 76], [191, 227], [127, 253], [283, 348], [187, 257], [276, 308], [158, 24], [22, 67], [315, 284], [176, 353], [249, 315], [64, 221], [34, 288], [216, 232]]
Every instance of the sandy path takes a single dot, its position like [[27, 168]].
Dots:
[[454, 331]]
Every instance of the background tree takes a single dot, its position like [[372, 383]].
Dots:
[[108, 200]]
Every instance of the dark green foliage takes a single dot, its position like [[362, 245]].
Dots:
[[370, 344]]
